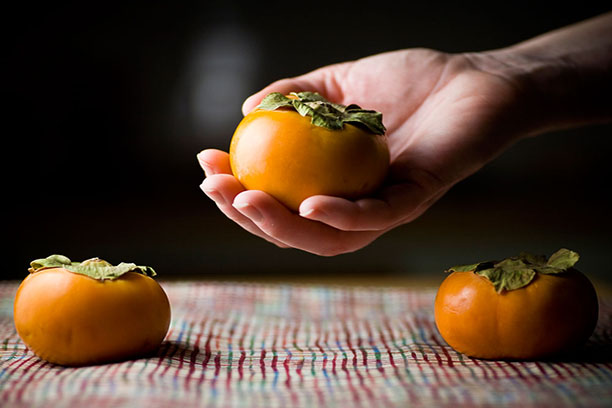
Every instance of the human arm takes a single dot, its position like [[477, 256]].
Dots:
[[566, 74], [447, 115]]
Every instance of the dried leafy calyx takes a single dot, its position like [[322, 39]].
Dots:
[[94, 268], [325, 113], [517, 272]]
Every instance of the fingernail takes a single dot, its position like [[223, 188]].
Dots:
[[248, 210], [213, 194], [313, 213], [204, 164], [244, 111], [207, 168]]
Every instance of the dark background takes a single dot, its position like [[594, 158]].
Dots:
[[109, 104]]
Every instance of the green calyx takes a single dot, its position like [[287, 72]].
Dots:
[[324, 113], [94, 268], [517, 272]]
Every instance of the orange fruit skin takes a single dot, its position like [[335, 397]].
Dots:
[[73, 320], [282, 153], [551, 315]]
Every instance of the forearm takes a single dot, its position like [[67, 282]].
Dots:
[[564, 76]]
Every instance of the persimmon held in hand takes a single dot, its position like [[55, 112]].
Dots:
[[74, 314], [526, 307], [299, 146]]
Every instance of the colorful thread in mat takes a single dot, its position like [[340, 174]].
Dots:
[[252, 345]]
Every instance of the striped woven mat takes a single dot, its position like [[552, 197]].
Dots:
[[252, 345]]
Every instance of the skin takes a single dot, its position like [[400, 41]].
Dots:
[[447, 115]]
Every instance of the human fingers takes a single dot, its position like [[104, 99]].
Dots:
[[362, 215], [278, 222], [214, 161], [222, 189], [396, 205]]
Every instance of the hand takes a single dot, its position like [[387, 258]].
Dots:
[[445, 119], [446, 115]]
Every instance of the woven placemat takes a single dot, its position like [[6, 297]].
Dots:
[[256, 345]]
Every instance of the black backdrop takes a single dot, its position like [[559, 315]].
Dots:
[[109, 104]]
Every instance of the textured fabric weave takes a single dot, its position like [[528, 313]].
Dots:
[[251, 345]]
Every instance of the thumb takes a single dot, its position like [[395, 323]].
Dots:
[[284, 86], [313, 81]]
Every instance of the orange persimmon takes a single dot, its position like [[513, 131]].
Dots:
[[74, 314], [303, 145], [525, 307]]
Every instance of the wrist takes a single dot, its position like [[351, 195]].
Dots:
[[563, 78], [537, 81]]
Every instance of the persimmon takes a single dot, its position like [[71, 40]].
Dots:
[[525, 307], [301, 145], [91, 312]]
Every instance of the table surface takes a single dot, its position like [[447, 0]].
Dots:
[[305, 344]]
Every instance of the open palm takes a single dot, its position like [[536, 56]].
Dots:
[[445, 119]]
